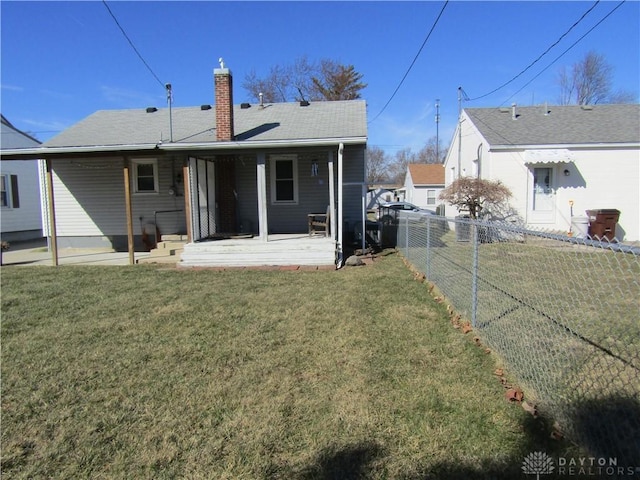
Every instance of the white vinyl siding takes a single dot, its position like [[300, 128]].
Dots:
[[21, 197], [5, 191], [90, 200]]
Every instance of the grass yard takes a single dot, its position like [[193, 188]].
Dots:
[[149, 372]]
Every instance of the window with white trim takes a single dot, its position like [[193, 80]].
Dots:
[[431, 197], [284, 179], [9, 197], [145, 175]]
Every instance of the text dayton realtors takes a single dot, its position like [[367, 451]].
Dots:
[[593, 466]]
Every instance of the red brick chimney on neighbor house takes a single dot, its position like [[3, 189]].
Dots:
[[224, 103]]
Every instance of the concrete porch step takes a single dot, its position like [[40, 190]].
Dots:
[[168, 248], [174, 238]]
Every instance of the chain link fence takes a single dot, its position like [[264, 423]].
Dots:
[[562, 313]]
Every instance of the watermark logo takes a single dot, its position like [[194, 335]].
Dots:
[[538, 463]]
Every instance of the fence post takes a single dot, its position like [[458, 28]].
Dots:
[[474, 275], [428, 266], [406, 237]]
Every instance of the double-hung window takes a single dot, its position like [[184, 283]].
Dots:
[[9, 197], [284, 179], [145, 175], [431, 197]]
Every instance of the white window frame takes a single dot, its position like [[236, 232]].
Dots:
[[7, 189], [273, 159], [431, 196], [135, 162], [10, 195]]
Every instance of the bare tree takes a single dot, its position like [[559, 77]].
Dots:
[[472, 194], [589, 82], [304, 80], [337, 82], [377, 165], [430, 153], [398, 167]]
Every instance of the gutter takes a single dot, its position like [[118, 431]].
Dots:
[[49, 152], [568, 146]]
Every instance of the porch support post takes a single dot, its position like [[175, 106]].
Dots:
[[263, 228], [187, 198], [52, 214], [340, 196], [332, 196], [127, 208]]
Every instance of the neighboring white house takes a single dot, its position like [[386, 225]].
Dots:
[[423, 183], [558, 161], [20, 213]]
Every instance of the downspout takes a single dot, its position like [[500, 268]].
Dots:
[[340, 195], [332, 196]]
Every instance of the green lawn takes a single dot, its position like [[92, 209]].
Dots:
[[149, 372]]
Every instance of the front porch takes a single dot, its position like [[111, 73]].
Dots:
[[277, 250]]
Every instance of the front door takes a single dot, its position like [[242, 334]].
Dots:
[[542, 204]]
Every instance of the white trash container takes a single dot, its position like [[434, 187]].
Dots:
[[580, 227]]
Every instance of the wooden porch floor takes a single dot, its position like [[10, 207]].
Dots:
[[279, 250]]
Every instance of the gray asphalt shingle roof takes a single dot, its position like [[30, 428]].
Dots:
[[562, 125], [277, 121]]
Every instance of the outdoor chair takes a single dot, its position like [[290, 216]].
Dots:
[[319, 222]]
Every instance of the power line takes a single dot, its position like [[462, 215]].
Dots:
[[563, 53], [132, 45], [541, 55], [412, 63]]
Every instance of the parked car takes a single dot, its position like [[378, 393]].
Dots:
[[383, 211]]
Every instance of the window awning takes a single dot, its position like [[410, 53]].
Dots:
[[557, 155]]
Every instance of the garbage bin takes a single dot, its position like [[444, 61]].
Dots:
[[580, 227], [602, 223], [463, 228]]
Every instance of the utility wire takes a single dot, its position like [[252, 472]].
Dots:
[[132, 45], [541, 55], [563, 53], [412, 63]]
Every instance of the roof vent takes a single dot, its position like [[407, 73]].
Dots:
[[304, 103], [205, 107], [504, 110], [245, 105], [151, 109], [586, 107]]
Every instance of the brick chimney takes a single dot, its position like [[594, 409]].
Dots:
[[224, 104]]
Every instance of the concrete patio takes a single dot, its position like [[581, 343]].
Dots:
[[37, 253]]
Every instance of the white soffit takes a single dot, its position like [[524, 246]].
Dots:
[[555, 155]]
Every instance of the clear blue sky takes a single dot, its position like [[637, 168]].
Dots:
[[61, 61]]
